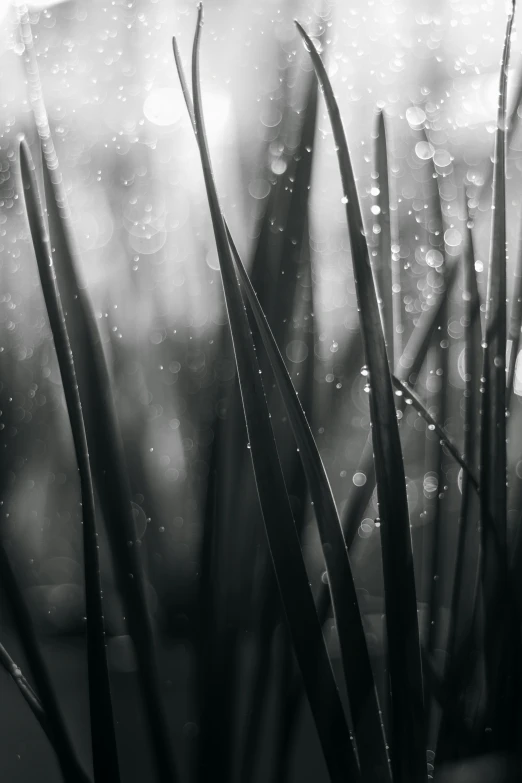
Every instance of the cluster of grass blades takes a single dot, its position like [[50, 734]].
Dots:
[[355, 743]]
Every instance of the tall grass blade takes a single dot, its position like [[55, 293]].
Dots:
[[515, 322], [107, 458], [70, 766], [28, 694], [284, 543], [215, 656], [408, 751], [407, 369], [287, 254], [411, 398], [383, 263], [103, 735], [463, 613], [498, 642], [103, 435], [357, 670], [436, 459]]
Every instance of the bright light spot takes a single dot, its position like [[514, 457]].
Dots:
[[434, 258], [415, 116], [441, 158], [424, 150], [452, 237], [164, 106]]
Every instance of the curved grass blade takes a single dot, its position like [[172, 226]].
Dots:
[[407, 369], [512, 127], [411, 398], [70, 766], [107, 457], [456, 676], [364, 706], [435, 456], [218, 722], [28, 694], [103, 435], [103, 735], [288, 253], [472, 336], [408, 751], [515, 322], [284, 543], [498, 647], [383, 265]]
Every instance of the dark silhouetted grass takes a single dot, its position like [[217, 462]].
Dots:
[[282, 536], [408, 749], [103, 735]]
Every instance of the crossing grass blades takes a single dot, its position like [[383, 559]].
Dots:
[[368, 731]]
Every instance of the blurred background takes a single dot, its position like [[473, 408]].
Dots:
[[131, 170]]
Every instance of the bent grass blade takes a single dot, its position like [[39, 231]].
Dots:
[[284, 543], [103, 735], [408, 751]]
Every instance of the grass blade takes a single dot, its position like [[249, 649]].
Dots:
[[439, 355], [411, 398], [362, 695], [383, 265], [456, 677], [407, 369], [103, 435], [499, 663], [107, 458], [515, 322], [408, 729], [288, 253], [70, 766], [103, 735], [28, 694], [284, 543]]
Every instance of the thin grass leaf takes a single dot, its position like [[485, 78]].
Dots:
[[412, 398], [408, 729], [407, 369], [103, 435], [288, 253], [216, 650], [70, 766], [364, 707], [515, 316], [499, 663], [218, 723], [107, 458], [383, 264], [512, 126], [28, 694], [515, 322], [284, 543], [472, 340], [361, 689], [103, 735], [456, 677], [439, 355]]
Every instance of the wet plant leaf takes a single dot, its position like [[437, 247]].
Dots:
[[103, 735], [308, 641], [408, 750]]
